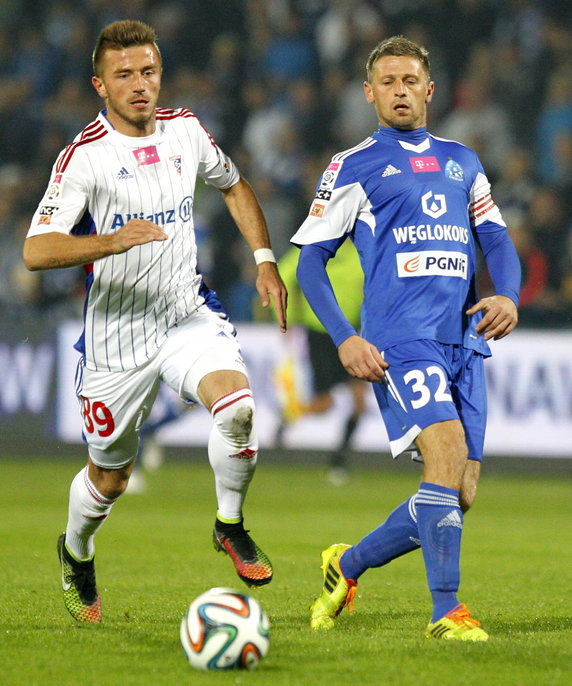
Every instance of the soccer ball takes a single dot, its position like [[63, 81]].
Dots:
[[225, 629]]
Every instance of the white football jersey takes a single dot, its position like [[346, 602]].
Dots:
[[98, 183]]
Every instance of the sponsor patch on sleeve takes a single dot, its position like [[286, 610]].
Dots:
[[54, 191], [329, 176], [323, 195], [317, 210]]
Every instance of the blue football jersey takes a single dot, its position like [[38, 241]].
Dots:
[[414, 206]]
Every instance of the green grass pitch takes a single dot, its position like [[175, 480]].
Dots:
[[154, 555]]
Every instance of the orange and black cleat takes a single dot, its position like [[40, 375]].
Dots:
[[252, 564]]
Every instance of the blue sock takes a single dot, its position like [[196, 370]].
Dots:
[[395, 537], [440, 524]]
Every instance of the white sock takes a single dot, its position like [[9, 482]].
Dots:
[[88, 510], [233, 450]]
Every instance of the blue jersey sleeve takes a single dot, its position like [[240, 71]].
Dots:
[[317, 288], [502, 262]]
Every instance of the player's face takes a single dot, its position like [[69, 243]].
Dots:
[[129, 82], [400, 91]]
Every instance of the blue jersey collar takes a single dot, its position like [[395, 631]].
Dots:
[[415, 136]]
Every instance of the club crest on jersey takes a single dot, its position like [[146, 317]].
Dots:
[[177, 162], [433, 205], [148, 155], [454, 171]]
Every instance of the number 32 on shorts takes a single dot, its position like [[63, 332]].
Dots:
[[418, 380], [97, 417]]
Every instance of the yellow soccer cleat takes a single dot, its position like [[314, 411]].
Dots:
[[338, 592], [457, 625], [78, 583]]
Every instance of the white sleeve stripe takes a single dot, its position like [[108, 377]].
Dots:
[[347, 153]]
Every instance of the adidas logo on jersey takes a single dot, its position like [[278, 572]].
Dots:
[[124, 174], [452, 519], [390, 170]]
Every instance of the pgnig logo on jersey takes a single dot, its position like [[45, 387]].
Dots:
[[186, 208], [432, 263]]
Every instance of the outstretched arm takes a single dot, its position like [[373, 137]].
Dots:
[[247, 213], [56, 250]]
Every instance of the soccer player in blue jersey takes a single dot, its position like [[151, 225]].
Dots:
[[415, 207]]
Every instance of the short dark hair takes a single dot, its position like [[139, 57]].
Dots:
[[123, 34], [398, 46]]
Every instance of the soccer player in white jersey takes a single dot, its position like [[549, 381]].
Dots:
[[120, 201], [416, 207]]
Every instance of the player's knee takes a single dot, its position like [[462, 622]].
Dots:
[[117, 488], [234, 417], [111, 467], [110, 483]]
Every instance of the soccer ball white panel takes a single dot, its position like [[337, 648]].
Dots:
[[225, 629]]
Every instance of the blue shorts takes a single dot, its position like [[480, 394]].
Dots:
[[429, 382]]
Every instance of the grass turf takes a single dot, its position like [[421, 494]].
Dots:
[[154, 556]]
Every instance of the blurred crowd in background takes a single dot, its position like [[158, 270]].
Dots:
[[278, 83]]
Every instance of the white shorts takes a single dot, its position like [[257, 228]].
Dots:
[[114, 405]]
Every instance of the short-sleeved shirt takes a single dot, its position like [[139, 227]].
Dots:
[[101, 181]]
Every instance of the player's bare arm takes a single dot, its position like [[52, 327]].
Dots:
[[271, 289], [501, 316], [362, 359], [57, 250], [247, 213]]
